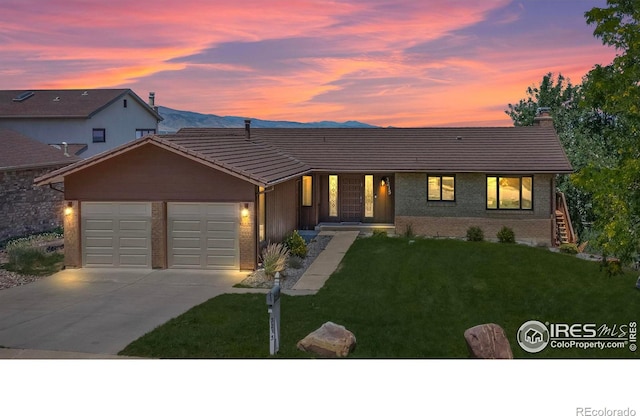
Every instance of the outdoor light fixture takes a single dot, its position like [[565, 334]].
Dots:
[[68, 210], [383, 182], [245, 210]]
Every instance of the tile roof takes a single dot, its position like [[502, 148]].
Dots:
[[21, 152], [276, 155], [62, 103], [467, 149]]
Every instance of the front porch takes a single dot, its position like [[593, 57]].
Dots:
[[366, 228]]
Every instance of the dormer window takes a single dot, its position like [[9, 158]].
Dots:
[[99, 135]]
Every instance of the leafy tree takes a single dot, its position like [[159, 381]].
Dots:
[[614, 91], [577, 129]]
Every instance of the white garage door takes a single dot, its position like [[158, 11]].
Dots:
[[203, 235], [116, 234]]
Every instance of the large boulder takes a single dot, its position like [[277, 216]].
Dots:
[[488, 341], [330, 340]]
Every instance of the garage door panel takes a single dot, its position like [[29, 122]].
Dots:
[[133, 243], [98, 225], [98, 260], [221, 261], [221, 210], [96, 243], [221, 243], [187, 225], [221, 226], [133, 225], [182, 243]]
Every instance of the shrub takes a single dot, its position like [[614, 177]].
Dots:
[[569, 248], [611, 266], [506, 235], [379, 233], [408, 231], [274, 259], [295, 262], [475, 234], [296, 245]]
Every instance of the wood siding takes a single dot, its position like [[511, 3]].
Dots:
[[150, 173], [282, 210]]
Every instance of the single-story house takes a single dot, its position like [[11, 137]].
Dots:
[[25, 208], [208, 198]]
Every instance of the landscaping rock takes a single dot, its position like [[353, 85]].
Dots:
[[488, 341], [330, 340]]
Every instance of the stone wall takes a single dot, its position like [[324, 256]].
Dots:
[[26, 209]]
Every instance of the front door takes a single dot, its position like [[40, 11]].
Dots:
[[351, 190]]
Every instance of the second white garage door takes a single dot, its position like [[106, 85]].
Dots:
[[203, 235]]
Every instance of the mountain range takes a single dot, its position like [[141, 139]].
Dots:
[[174, 120]]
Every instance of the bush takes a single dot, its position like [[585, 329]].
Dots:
[[408, 231], [569, 248], [475, 234], [379, 233], [506, 235], [296, 245], [274, 259], [295, 262]]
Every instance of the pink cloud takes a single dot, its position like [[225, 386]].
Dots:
[[402, 63]]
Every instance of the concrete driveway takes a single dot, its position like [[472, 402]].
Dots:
[[101, 311]]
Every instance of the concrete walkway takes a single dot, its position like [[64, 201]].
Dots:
[[326, 263], [98, 312]]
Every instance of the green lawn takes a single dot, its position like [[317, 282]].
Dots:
[[413, 299]]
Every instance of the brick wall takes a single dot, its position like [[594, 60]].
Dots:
[[159, 235], [27, 209], [452, 219]]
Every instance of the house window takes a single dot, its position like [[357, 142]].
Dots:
[[307, 191], [99, 135], [368, 196], [124, 103], [441, 188], [333, 195], [509, 192], [144, 132]]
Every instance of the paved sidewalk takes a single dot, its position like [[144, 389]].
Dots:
[[9, 353], [326, 263]]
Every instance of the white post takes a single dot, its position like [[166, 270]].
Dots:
[[273, 302]]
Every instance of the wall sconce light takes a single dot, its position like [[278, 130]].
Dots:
[[383, 182], [245, 211], [68, 210]]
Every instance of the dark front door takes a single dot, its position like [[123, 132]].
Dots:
[[351, 189]]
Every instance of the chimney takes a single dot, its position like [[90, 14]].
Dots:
[[543, 117], [247, 128], [152, 99]]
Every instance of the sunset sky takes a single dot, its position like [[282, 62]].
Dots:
[[404, 63]]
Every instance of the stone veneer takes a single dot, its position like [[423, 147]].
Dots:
[[27, 209], [72, 250], [159, 235]]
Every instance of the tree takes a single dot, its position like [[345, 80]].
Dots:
[[614, 92], [575, 126]]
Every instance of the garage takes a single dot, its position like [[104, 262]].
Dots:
[[203, 235], [116, 234]]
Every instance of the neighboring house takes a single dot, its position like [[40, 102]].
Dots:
[[25, 208], [101, 119], [208, 198]]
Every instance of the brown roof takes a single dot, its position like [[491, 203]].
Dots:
[[275, 155], [61, 103], [21, 152], [466, 149]]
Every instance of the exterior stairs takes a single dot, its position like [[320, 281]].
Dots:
[[561, 224], [564, 233]]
